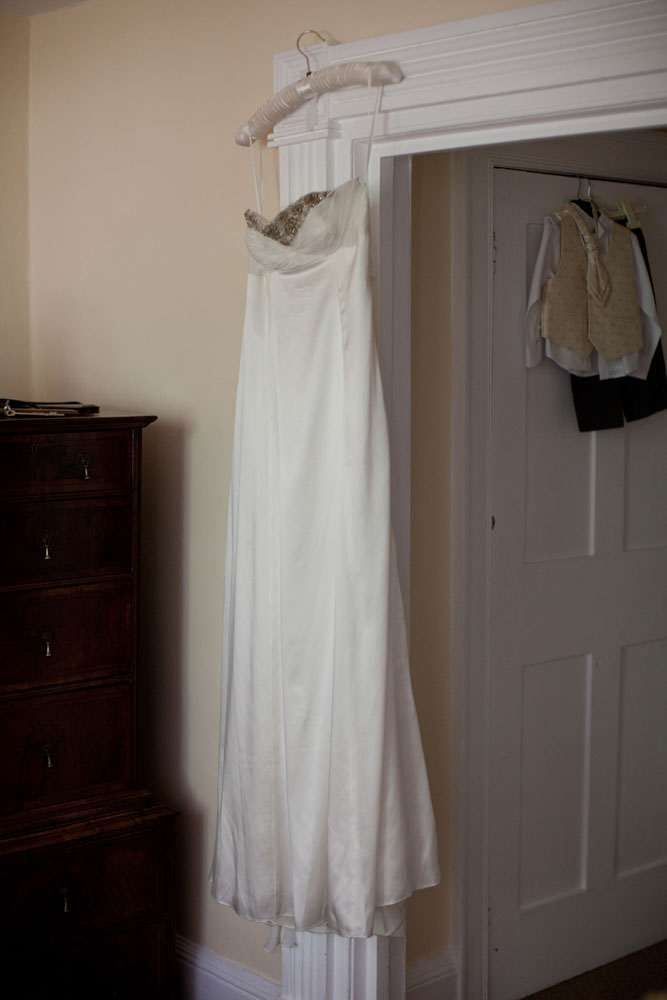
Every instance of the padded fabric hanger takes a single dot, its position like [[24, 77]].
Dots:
[[322, 81]]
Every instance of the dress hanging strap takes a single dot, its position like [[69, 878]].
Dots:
[[374, 112], [259, 185]]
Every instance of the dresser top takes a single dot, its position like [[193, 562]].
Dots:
[[104, 420]]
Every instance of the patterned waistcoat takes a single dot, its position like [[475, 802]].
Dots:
[[592, 303]]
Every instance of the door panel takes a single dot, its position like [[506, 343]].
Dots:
[[578, 673], [558, 509], [641, 829], [645, 510], [555, 700]]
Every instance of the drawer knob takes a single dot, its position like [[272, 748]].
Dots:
[[65, 894], [46, 637], [84, 460], [47, 750], [46, 540]]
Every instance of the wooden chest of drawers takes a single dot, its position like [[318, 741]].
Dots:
[[85, 857]]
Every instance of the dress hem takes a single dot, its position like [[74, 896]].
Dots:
[[276, 920]]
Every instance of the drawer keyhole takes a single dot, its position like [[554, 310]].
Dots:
[[84, 460], [65, 894], [46, 541], [47, 750], [46, 637]]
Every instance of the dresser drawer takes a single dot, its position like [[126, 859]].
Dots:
[[66, 463], [87, 886], [127, 965], [46, 540], [64, 746], [66, 634]]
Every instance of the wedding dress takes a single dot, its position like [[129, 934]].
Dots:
[[324, 815]]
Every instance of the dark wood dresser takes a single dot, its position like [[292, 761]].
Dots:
[[86, 857]]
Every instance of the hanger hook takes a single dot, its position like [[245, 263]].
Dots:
[[587, 196], [308, 31]]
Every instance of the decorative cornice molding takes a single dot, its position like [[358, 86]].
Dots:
[[520, 66]]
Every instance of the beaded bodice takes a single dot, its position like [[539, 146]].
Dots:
[[286, 224]]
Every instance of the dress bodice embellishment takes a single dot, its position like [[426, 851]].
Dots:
[[284, 227]]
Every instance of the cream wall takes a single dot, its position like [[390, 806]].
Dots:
[[137, 280], [14, 338]]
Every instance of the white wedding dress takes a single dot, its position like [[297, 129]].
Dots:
[[325, 819]]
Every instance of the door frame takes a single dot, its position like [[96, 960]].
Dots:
[[565, 68]]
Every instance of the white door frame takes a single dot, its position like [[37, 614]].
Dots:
[[571, 67]]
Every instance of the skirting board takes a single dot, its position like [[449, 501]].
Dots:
[[204, 975], [434, 979]]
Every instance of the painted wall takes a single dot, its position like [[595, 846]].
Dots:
[[137, 283], [14, 338]]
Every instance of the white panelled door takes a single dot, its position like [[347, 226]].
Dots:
[[578, 676]]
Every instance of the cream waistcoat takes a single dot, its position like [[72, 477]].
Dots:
[[592, 303]]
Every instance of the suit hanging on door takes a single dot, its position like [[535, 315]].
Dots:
[[591, 310]]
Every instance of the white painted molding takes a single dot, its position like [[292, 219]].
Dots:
[[528, 73], [569, 67], [392, 307], [204, 975], [330, 967]]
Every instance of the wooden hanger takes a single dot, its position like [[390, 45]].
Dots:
[[322, 81]]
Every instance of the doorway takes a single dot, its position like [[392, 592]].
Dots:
[[559, 848]]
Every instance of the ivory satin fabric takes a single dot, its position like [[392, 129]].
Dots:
[[324, 813]]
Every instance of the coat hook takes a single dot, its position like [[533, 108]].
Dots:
[[308, 31]]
